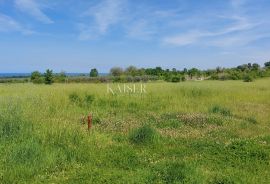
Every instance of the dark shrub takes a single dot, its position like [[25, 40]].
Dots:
[[143, 135], [175, 79], [183, 78], [36, 77], [129, 79], [137, 79], [214, 77], [117, 79], [248, 78]]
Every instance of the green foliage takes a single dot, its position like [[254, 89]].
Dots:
[[94, 72], [61, 77], [36, 77], [267, 64], [143, 135], [193, 72], [48, 77], [176, 79], [248, 78], [132, 71], [116, 71]]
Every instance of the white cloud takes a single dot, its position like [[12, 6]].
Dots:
[[241, 24], [105, 14], [7, 24], [32, 8]]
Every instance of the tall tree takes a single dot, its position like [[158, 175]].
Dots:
[[131, 70], [116, 71], [193, 72], [94, 72], [267, 64], [255, 66], [48, 77]]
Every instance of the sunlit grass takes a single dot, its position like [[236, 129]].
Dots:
[[197, 132]]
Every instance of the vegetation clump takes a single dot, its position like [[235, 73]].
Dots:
[[48, 77], [84, 101], [248, 78], [94, 72], [217, 109], [36, 77], [143, 135]]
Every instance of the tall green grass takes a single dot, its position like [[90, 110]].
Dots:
[[192, 132]]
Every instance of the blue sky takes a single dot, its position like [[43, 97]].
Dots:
[[76, 35]]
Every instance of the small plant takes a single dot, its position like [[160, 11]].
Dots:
[[252, 120], [221, 110], [143, 135]]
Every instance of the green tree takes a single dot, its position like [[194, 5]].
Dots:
[[193, 72], [36, 77], [267, 64], [48, 77], [116, 71], [255, 66], [61, 77], [132, 70], [94, 72]]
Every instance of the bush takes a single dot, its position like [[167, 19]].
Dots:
[[137, 79], [143, 135], [183, 78], [38, 80], [248, 78], [175, 79], [36, 77]]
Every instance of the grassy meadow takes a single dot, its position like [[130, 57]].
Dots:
[[190, 132]]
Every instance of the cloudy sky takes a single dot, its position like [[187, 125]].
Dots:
[[75, 35]]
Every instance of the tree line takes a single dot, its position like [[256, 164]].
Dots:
[[247, 72]]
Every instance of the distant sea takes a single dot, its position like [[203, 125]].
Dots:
[[21, 75]]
